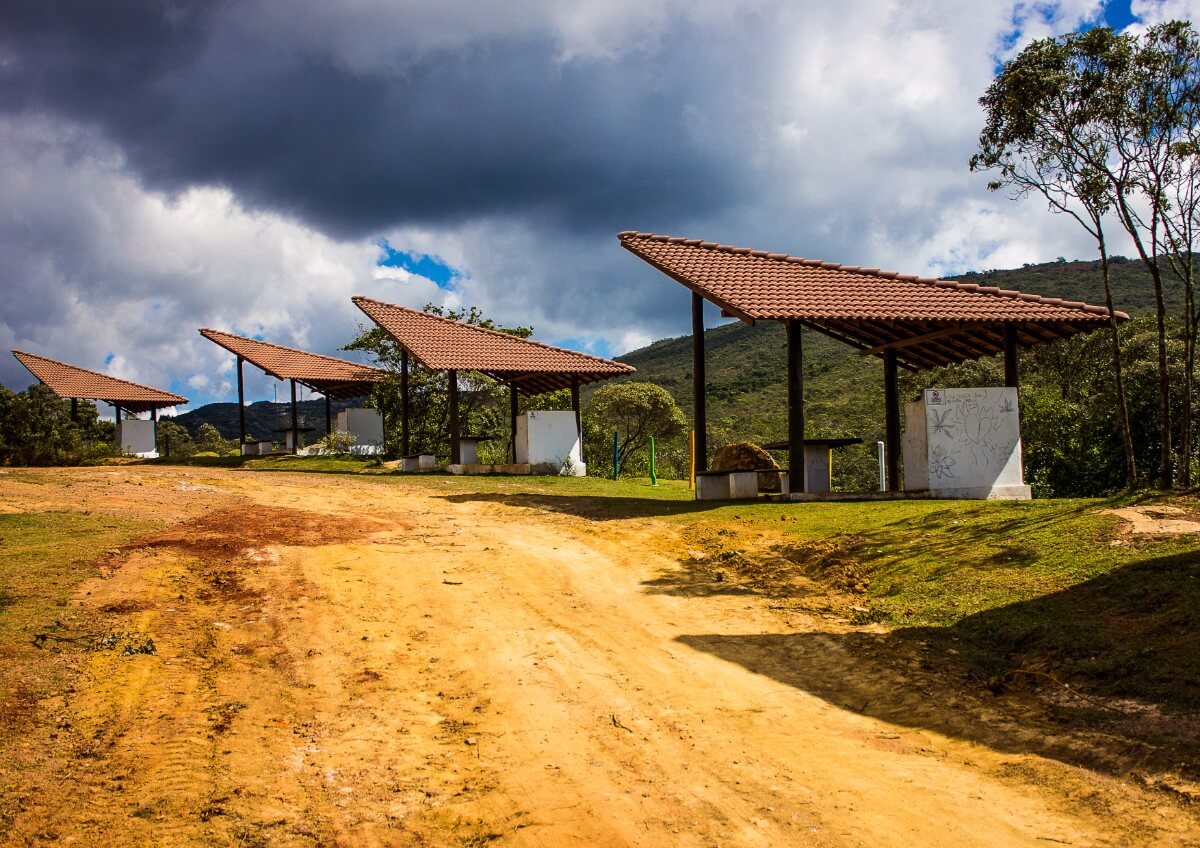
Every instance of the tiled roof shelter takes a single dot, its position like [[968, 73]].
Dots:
[[334, 378], [528, 367], [71, 381], [441, 344], [908, 321]]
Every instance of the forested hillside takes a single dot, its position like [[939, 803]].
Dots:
[[264, 420]]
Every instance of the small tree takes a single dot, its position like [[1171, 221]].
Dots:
[[208, 440], [173, 440], [635, 411]]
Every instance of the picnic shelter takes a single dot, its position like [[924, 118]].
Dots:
[[907, 321]]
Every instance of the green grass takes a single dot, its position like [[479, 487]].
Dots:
[[43, 559]]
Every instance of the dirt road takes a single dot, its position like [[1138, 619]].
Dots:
[[341, 661]]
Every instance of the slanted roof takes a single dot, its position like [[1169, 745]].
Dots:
[[441, 344], [71, 381], [929, 322], [332, 377]]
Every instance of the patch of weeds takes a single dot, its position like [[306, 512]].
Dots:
[[212, 808], [128, 644], [221, 716], [869, 615]]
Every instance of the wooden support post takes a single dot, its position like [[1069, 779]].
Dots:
[[698, 382], [795, 390], [328, 416], [117, 419], [295, 422], [1011, 377], [75, 409], [578, 417], [404, 446], [241, 407], [891, 399], [455, 435], [512, 418], [154, 415]]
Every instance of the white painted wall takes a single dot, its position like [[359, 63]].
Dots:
[[137, 438], [974, 443], [545, 437], [366, 426]]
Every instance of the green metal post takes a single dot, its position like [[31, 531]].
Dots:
[[653, 476], [616, 457]]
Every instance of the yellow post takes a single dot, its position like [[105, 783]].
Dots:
[[692, 469]]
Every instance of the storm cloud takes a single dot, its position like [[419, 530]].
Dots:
[[169, 165]]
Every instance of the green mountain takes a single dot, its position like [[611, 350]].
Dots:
[[264, 420]]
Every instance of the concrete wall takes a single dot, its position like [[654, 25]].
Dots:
[[366, 426], [546, 437], [974, 443], [138, 438], [916, 448]]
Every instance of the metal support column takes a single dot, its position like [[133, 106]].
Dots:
[[578, 417], [891, 399], [512, 418], [1011, 377], [241, 407], [698, 382], [295, 422], [455, 435], [797, 471], [404, 446]]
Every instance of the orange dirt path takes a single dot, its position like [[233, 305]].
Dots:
[[344, 661]]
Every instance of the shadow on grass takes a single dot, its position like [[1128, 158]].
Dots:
[[597, 507], [1114, 661]]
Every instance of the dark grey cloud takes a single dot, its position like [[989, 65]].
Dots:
[[498, 126], [178, 163]]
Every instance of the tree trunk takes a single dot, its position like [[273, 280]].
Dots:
[[1165, 475], [1189, 377], [1131, 475]]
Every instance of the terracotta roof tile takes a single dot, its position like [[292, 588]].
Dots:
[[71, 381], [756, 284], [928, 322], [441, 344], [338, 378]]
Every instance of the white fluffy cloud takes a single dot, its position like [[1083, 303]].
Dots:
[[839, 131]]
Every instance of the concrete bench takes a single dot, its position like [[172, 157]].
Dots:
[[419, 462], [729, 485]]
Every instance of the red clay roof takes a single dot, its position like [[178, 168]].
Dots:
[[337, 378], [865, 306], [440, 344], [71, 381]]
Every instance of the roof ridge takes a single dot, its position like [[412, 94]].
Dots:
[[205, 331], [19, 353], [1011, 294], [358, 297]]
